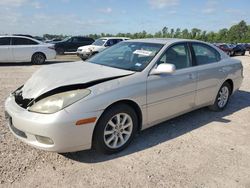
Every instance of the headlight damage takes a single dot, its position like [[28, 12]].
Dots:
[[50, 103], [58, 101]]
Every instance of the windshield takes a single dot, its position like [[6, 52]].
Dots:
[[66, 39], [99, 42], [133, 56]]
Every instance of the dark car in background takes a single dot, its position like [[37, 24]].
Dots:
[[239, 50], [71, 44], [228, 49], [247, 46], [232, 49]]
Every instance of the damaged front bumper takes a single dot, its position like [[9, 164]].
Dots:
[[52, 132]]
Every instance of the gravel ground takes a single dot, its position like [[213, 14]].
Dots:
[[199, 149]]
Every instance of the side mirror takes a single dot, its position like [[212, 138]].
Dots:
[[163, 68]]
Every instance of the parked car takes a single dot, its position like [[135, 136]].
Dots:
[[232, 50], [84, 52], [25, 49], [126, 88], [71, 44], [239, 50], [228, 49], [52, 41], [247, 46]]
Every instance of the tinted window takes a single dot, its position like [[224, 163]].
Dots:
[[99, 42], [75, 39], [205, 54], [5, 41], [178, 55], [110, 42], [23, 41]]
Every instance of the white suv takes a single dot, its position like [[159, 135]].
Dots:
[[25, 49], [84, 52]]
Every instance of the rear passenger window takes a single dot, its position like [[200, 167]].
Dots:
[[178, 55], [5, 41], [205, 54], [23, 41]]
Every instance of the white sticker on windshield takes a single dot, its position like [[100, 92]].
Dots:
[[142, 52], [138, 64]]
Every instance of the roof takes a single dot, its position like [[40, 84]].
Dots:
[[17, 36], [114, 38], [161, 40]]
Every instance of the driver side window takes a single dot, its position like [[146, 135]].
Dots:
[[177, 55]]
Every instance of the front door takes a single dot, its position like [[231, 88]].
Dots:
[[5, 50], [169, 95]]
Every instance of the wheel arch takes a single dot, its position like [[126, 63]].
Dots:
[[38, 52], [230, 82], [130, 103]]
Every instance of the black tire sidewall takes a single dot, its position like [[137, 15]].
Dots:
[[98, 137], [34, 59], [215, 106]]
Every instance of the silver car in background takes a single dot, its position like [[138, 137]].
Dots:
[[129, 87]]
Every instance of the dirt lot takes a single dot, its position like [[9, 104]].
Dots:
[[199, 149]]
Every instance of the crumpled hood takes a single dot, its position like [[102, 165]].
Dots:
[[54, 76]]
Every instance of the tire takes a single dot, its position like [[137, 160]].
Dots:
[[110, 136], [84, 58], [222, 98], [38, 58], [60, 51], [243, 53], [94, 53]]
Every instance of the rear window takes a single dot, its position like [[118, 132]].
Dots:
[[23, 41], [205, 54], [5, 41]]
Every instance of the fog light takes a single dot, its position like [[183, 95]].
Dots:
[[44, 140]]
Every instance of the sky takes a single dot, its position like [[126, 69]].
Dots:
[[82, 17]]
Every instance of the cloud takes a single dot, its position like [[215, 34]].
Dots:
[[105, 10], [209, 10], [210, 7], [15, 3], [19, 3], [159, 4]]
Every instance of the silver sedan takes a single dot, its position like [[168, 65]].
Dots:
[[104, 102]]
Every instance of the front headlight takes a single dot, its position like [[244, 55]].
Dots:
[[57, 102]]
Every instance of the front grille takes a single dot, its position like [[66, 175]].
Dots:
[[24, 103], [15, 130]]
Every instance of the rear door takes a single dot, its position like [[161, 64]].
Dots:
[[5, 50], [23, 48], [210, 72]]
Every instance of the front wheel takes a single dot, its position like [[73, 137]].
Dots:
[[115, 129], [222, 97]]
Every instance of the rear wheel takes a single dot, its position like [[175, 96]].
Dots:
[[243, 53], [222, 97], [115, 129], [38, 58]]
